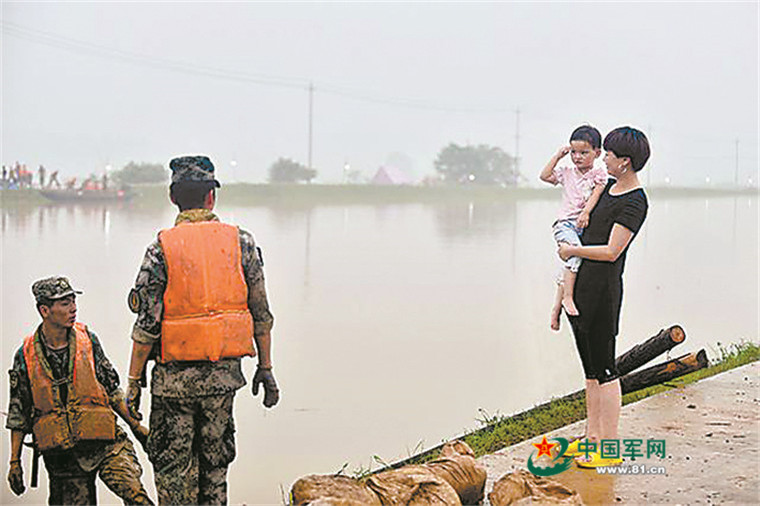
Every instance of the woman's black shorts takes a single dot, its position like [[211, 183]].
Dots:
[[595, 330]]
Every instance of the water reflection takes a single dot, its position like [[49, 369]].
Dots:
[[463, 220], [451, 297], [19, 217]]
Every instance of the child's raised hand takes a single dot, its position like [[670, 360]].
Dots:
[[561, 152]]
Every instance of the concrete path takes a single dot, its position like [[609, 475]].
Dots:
[[712, 434]]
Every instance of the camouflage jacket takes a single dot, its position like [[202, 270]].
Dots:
[[190, 379], [88, 454]]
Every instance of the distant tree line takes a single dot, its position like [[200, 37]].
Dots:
[[142, 172], [481, 164], [285, 170]]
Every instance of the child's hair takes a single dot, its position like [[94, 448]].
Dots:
[[589, 134], [628, 142]]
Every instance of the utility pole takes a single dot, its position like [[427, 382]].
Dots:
[[517, 142], [311, 119], [736, 163]]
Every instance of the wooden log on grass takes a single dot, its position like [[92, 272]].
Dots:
[[653, 347], [666, 371]]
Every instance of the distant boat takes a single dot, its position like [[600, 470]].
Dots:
[[75, 195]]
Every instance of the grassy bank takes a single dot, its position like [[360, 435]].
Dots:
[[311, 195], [500, 431]]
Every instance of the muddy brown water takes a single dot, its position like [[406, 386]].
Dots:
[[394, 325]]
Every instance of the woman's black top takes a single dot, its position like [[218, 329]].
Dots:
[[599, 285]]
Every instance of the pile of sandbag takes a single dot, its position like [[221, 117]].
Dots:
[[523, 488], [454, 478]]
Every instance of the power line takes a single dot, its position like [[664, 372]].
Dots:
[[87, 48]]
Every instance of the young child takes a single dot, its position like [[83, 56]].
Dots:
[[582, 185]]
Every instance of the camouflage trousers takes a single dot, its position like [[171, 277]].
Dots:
[[120, 472], [191, 443]]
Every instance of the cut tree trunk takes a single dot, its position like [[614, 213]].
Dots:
[[664, 372], [653, 347]]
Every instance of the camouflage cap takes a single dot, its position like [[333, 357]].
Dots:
[[53, 288], [192, 168]]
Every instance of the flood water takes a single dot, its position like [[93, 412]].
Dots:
[[394, 325]]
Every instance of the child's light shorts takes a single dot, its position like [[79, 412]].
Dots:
[[567, 231]]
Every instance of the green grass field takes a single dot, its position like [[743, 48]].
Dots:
[[311, 195]]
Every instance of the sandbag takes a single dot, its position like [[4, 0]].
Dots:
[[523, 488], [412, 485], [457, 465], [456, 448], [330, 490]]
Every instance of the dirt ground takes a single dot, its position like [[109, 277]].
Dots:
[[711, 429]]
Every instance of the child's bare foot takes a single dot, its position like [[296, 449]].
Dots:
[[555, 317], [569, 306]]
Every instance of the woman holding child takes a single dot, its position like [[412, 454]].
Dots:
[[613, 224]]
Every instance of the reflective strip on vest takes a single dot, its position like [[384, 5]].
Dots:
[[206, 315], [87, 414]]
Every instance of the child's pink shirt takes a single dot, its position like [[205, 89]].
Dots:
[[577, 187]]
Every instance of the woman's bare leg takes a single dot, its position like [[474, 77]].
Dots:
[[609, 409], [593, 426]]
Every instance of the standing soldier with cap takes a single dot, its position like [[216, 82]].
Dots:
[[64, 391], [201, 304]]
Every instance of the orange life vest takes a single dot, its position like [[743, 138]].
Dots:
[[206, 314], [86, 415]]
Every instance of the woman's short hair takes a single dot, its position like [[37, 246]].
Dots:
[[630, 143], [191, 194], [588, 134]]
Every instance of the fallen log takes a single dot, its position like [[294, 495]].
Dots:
[[664, 372], [653, 347]]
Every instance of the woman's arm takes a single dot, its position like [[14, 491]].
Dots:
[[619, 239]]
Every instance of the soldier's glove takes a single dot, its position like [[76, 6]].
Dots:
[[134, 390], [16, 478], [141, 434], [271, 392]]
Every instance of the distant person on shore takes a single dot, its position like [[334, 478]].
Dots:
[[582, 184], [25, 178], [41, 174], [201, 307], [54, 180], [613, 224], [13, 177], [71, 183]]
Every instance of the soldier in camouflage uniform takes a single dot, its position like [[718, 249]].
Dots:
[[193, 384], [56, 375]]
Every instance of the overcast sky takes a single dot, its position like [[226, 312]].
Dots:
[[90, 84]]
